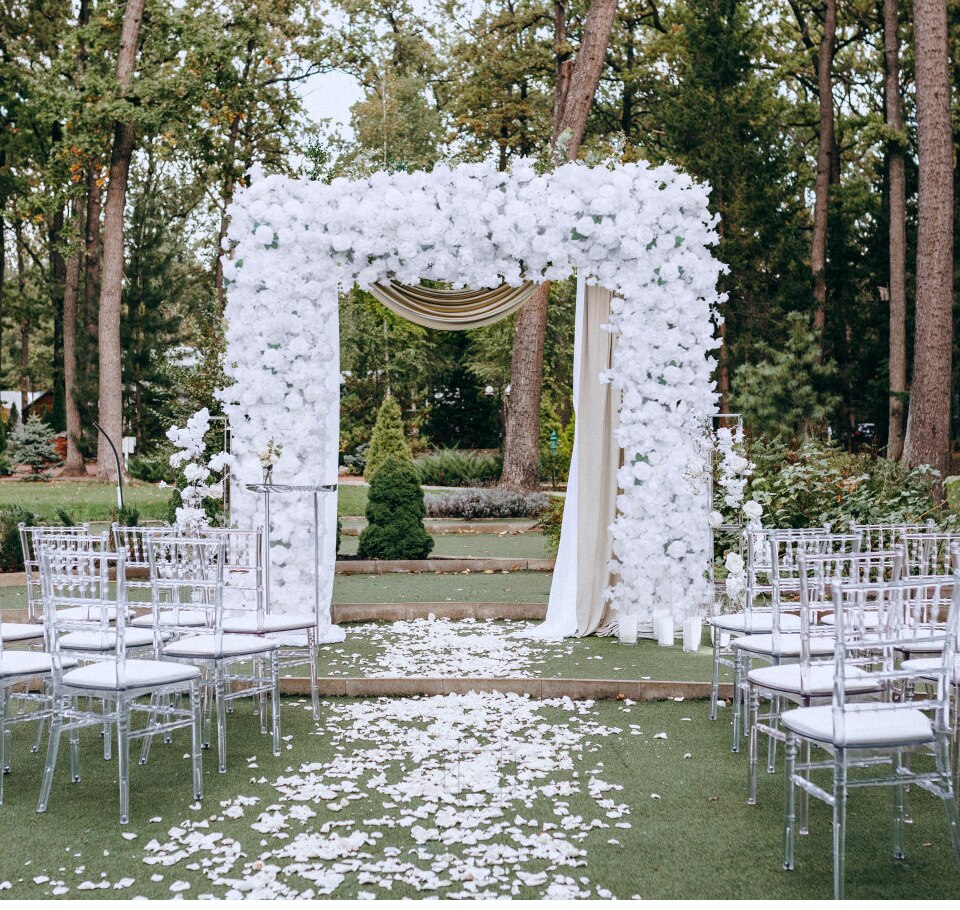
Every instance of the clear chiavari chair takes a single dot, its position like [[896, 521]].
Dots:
[[31, 563], [868, 743], [782, 643], [245, 612], [809, 680], [756, 616], [233, 665], [92, 584]]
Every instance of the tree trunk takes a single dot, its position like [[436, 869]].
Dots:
[[24, 320], [91, 265], [73, 466], [898, 230], [576, 84], [110, 380], [825, 153], [58, 275], [928, 422]]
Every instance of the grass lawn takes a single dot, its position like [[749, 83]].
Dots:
[[509, 587], [84, 500], [684, 830], [519, 546]]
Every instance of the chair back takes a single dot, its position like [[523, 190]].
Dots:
[[908, 610], [242, 569], [84, 590], [31, 563], [928, 553], [186, 573]]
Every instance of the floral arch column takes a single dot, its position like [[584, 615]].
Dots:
[[644, 233]]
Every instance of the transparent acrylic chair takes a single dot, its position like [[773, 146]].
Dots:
[[31, 563], [18, 670], [781, 644], [125, 687], [810, 679], [863, 739], [245, 610], [234, 665], [756, 616]]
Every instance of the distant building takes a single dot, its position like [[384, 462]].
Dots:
[[10, 398]]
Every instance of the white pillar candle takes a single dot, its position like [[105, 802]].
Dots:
[[692, 630], [664, 627], [627, 626]]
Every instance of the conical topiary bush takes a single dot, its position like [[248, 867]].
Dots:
[[395, 512], [388, 439]]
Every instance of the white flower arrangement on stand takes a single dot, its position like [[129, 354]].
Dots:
[[643, 232], [197, 471], [734, 473]]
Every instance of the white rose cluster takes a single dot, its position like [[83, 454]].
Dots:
[[643, 232]]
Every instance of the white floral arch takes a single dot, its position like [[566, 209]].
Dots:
[[642, 232]]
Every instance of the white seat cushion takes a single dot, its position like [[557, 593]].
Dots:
[[919, 646], [105, 641], [920, 664], [206, 647], [864, 726], [871, 619], [87, 614], [138, 674], [785, 645], [28, 663], [753, 622], [173, 617], [816, 680], [20, 631], [247, 623]]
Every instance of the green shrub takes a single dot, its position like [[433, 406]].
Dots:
[[550, 522], [458, 468], [395, 514], [388, 438], [11, 553], [817, 483], [31, 444], [153, 468], [5, 469]]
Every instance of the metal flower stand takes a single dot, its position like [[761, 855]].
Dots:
[[267, 489]]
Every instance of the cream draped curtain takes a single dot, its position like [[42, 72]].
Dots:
[[435, 308], [577, 605]]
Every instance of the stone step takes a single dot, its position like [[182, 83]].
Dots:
[[405, 687], [395, 612]]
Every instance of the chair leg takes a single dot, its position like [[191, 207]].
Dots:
[[275, 700], [123, 758], [772, 740], [839, 821], [4, 701], [196, 730], [714, 679], [221, 706], [753, 715], [75, 755], [107, 732], [896, 763], [53, 746], [951, 810], [804, 826], [314, 687], [789, 818], [738, 677]]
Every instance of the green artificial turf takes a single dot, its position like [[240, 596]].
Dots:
[[84, 500], [428, 587], [573, 658], [513, 546], [352, 499], [691, 834]]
